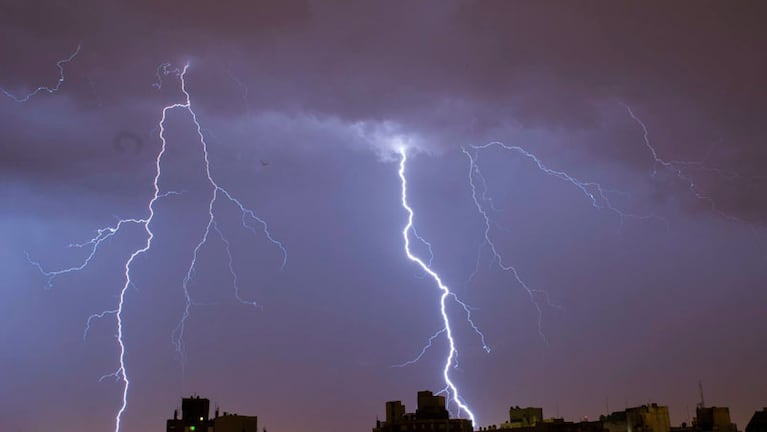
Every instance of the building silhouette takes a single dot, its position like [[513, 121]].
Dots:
[[550, 425], [713, 419], [431, 415], [758, 422], [195, 418], [523, 417], [530, 419], [645, 418]]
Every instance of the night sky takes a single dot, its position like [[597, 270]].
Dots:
[[300, 103]]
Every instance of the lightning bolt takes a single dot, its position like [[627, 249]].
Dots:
[[598, 195], [122, 372], [103, 234], [250, 220], [51, 90], [450, 388]]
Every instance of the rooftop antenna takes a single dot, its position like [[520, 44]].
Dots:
[[702, 403]]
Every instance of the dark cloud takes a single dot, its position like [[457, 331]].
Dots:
[[458, 74]]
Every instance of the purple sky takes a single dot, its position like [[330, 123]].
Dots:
[[319, 90]]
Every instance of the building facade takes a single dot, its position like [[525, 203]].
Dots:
[[195, 413], [431, 415], [758, 422], [645, 418], [523, 417], [713, 419]]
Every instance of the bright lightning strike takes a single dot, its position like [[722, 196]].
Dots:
[[250, 220], [122, 372], [51, 90], [450, 387]]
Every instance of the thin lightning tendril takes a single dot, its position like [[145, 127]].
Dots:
[[450, 387], [94, 317], [675, 168], [488, 241], [230, 265], [248, 215], [102, 235], [468, 309], [598, 195], [423, 351], [51, 90], [427, 244]]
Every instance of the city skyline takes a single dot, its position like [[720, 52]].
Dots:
[[432, 414]]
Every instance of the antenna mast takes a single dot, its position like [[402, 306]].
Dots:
[[702, 403]]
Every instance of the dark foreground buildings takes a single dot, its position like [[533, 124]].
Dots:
[[644, 418], [758, 422], [711, 419], [430, 416], [194, 418]]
